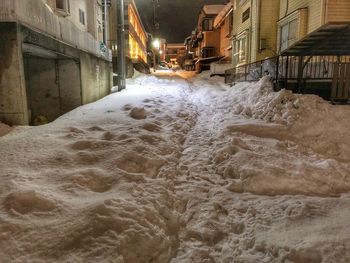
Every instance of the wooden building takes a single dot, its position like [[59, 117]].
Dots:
[[312, 47], [254, 32], [223, 23], [208, 38], [314, 41], [175, 53], [205, 40], [312, 21]]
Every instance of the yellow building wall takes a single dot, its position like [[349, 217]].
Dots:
[[337, 11], [238, 26], [315, 10], [136, 50], [262, 24], [268, 28]]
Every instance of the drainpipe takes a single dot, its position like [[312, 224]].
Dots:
[[106, 17], [324, 11], [258, 26], [121, 61]]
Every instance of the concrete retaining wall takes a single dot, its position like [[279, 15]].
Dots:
[[13, 102], [57, 78], [95, 76]]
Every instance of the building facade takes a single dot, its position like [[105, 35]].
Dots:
[[52, 58], [254, 32], [304, 46], [223, 23], [175, 54], [136, 37], [298, 19], [208, 38], [313, 41]]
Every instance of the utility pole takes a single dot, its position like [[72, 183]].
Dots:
[[105, 22], [155, 31], [106, 3], [121, 61]]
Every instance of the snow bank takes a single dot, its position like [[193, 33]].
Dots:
[[307, 118], [175, 170], [275, 143], [4, 129]]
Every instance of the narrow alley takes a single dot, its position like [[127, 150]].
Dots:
[[180, 168]]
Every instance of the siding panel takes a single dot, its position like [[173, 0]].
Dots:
[[338, 11]]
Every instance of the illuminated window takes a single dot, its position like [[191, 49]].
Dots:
[[240, 50]]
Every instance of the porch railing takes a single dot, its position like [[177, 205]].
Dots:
[[289, 71]]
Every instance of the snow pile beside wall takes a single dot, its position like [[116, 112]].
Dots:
[[4, 129], [258, 101], [304, 118]]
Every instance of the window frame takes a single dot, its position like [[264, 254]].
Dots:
[[246, 15], [82, 18], [240, 49], [290, 38], [63, 9], [210, 24]]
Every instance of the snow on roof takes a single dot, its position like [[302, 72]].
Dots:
[[212, 9], [227, 9]]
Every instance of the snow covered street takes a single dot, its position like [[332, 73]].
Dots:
[[180, 168]]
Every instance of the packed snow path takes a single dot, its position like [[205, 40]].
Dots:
[[178, 169]]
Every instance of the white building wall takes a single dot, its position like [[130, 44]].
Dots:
[[38, 15], [75, 6]]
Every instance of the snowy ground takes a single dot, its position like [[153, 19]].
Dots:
[[179, 169]]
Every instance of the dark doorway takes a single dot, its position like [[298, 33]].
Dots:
[[53, 87]]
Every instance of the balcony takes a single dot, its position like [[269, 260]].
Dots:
[[211, 39]]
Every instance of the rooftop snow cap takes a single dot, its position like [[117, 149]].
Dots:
[[223, 13], [212, 9]]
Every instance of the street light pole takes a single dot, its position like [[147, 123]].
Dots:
[[121, 61]]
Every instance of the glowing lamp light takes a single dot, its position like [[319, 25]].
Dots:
[[156, 43], [160, 52]]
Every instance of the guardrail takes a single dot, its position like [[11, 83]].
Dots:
[[287, 68], [299, 73]]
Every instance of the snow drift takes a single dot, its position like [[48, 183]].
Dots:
[[307, 118], [4, 129], [176, 170]]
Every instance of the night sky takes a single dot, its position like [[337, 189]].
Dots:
[[177, 18]]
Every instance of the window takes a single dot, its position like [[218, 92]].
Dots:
[[82, 16], [289, 34], [207, 25], [245, 15], [240, 50], [63, 6]]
